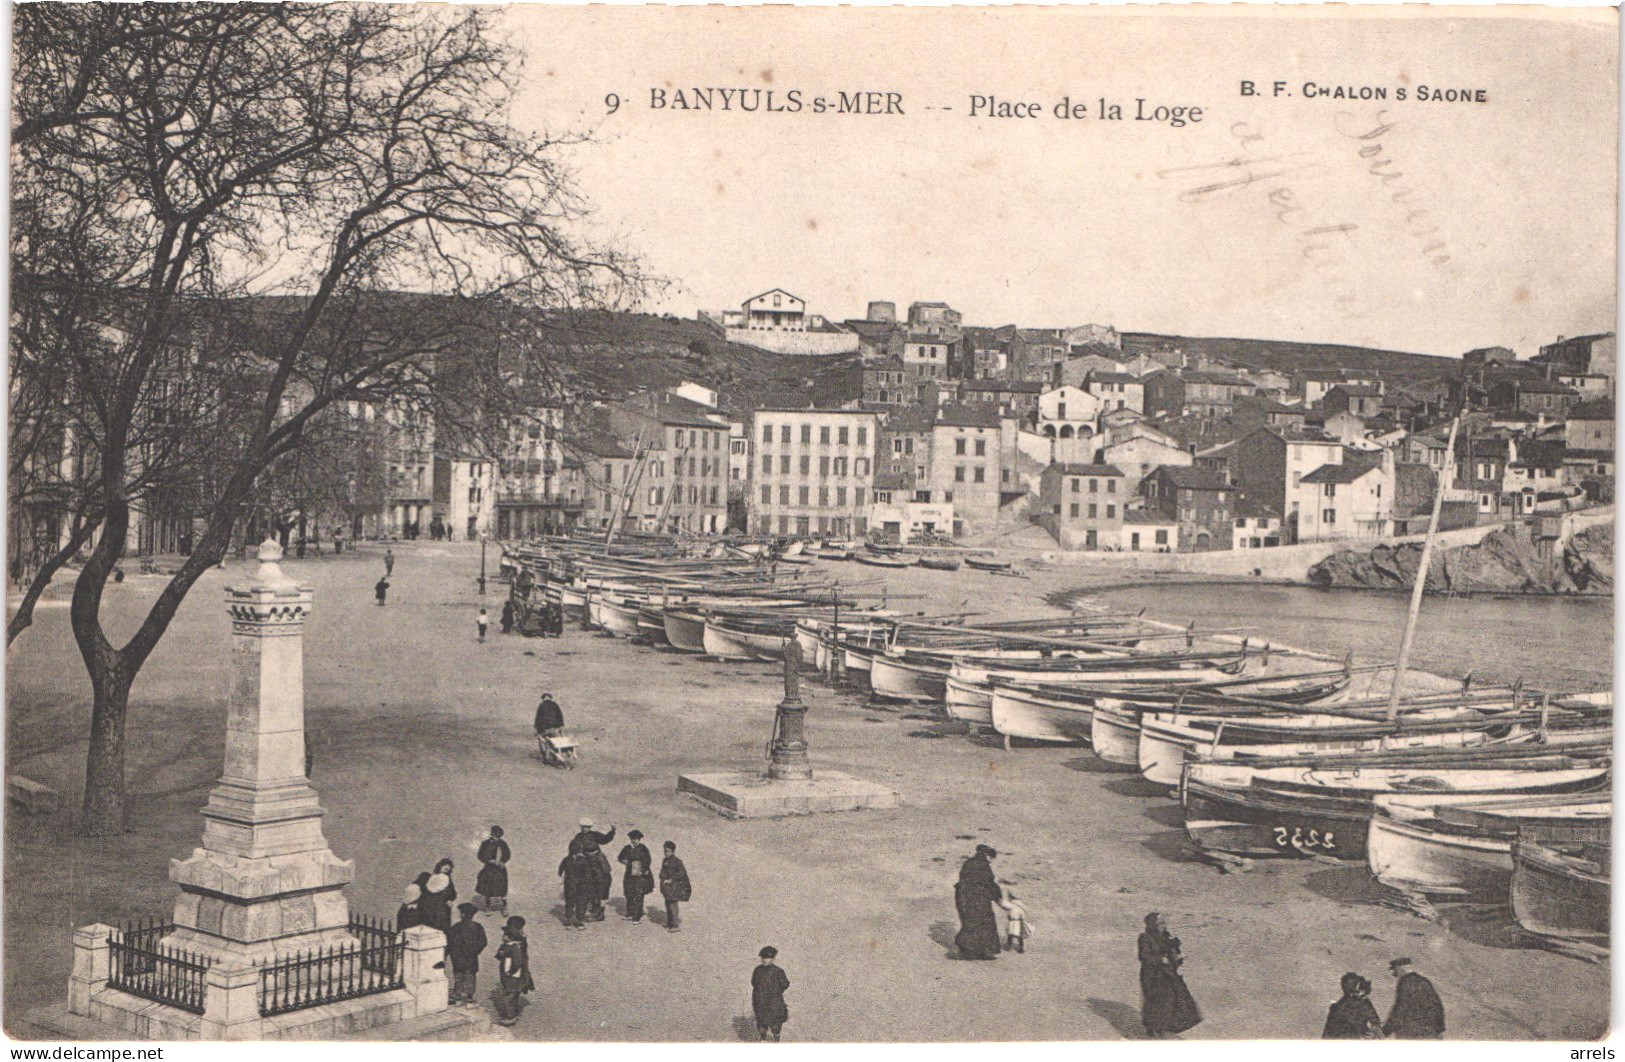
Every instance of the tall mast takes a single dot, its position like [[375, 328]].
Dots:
[[1421, 575]]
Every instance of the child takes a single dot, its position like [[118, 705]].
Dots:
[[1015, 930], [464, 942], [482, 621]]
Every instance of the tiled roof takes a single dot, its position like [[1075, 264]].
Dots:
[[1032, 387], [1140, 516], [1225, 378], [1188, 478], [1358, 390], [1545, 387], [1592, 409], [977, 416], [1114, 377], [1088, 470], [1347, 473]]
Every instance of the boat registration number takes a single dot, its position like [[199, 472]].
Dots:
[[1298, 837]]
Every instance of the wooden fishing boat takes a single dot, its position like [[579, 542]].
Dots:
[[730, 638], [905, 678], [652, 624], [988, 565], [940, 564], [618, 617], [1327, 810], [830, 553], [882, 560], [1562, 891], [1461, 847], [685, 630], [1054, 714]]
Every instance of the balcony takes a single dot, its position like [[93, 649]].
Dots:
[[532, 499]]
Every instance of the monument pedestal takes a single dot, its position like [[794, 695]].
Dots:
[[754, 795], [789, 786]]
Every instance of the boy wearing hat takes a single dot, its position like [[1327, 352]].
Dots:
[[1418, 1012], [513, 971], [767, 986], [674, 886], [639, 880], [464, 943]]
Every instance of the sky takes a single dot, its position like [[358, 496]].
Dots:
[[1428, 226]]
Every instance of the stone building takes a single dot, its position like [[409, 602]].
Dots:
[[1081, 506], [812, 471], [965, 467]]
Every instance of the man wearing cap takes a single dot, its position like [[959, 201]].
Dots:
[[975, 893], [767, 986], [674, 887], [464, 943], [1418, 1013], [604, 874], [639, 880]]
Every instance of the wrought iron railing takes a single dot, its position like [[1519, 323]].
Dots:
[[331, 975], [374, 934], [141, 966]]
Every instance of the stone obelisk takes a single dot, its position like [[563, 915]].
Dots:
[[264, 884]]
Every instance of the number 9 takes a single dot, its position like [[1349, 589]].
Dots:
[[613, 102]]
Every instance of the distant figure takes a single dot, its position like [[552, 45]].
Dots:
[[639, 879], [1353, 1017], [507, 616], [338, 541], [491, 886], [767, 987], [381, 589], [674, 886], [1015, 927], [409, 914], [549, 717], [975, 893], [464, 943], [389, 562], [577, 871], [513, 971], [591, 843], [1166, 1006], [555, 620], [438, 895], [482, 621], [1418, 1013]]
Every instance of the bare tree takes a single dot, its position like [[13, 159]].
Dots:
[[174, 160]]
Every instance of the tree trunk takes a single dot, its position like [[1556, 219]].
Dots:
[[103, 810]]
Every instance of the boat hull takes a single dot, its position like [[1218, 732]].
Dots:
[[969, 702], [727, 643], [685, 632], [1413, 858], [1115, 737], [1031, 716], [617, 618], [1554, 900], [898, 680]]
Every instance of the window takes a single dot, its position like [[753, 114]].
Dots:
[[713, 494], [908, 445], [691, 466], [1162, 537], [784, 464], [1111, 512], [959, 473], [897, 446], [823, 466], [981, 447], [1074, 510], [1093, 510], [767, 464], [823, 435], [863, 436], [806, 435], [784, 495], [804, 494], [654, 495], [839, 466], [959, 447], [860, 466], [1094, 486], [980, 472], [1379, 487], [842, 435], [784, 525], [767, 495], [857, 499], [840, 496], [1058, 508], [823, 496], [1077, 484], [1111, 486], [1060, 411], [1328, 516], [784, 433], [947, 497]]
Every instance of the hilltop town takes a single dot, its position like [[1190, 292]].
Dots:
[[771, 420]]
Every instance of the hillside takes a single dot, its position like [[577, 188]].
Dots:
[[612, 355], [1285, 355]]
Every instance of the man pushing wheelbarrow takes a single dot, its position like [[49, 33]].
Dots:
[[558, 749]]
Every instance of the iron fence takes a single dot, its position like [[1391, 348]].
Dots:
[[142, 966], [331, 975]]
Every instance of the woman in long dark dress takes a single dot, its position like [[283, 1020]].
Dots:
[[1353, 1017], [438, 894], [974, 896], [767, 987], [1166, 1006], [491, 886]]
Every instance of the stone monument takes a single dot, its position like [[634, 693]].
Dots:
[[789, 786], [262, 945]]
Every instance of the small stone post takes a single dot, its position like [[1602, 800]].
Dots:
[[425, 947], [788, 757], [92, 964], [231, 1002]]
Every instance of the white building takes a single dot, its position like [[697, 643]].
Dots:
[[1067, 412]]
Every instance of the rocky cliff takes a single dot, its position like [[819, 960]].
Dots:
[[1505, 561]]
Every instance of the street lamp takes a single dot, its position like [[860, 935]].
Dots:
[[483, 537]]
